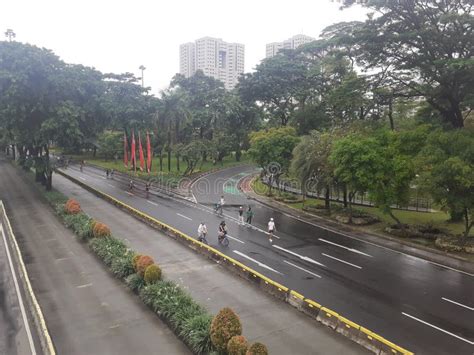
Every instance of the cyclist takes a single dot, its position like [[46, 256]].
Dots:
[[222, 235], [147, 189], [241, 215], [131, 185]]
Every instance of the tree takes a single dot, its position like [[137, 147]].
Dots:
[[279, 84], [356, 160], [427, 46], [311, 162], [110, 144], [449, 172], [272, 150]]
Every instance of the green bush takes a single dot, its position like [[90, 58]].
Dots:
[[196, 331], [152, 274], [187, 308], [142, 263], [80, 223], [224, 326], [135, 282], [55, 197], [108, 249], [122, 266], [237, 345], [257, 349]]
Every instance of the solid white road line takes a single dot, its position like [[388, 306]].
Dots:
[[151, 202], [437, 328], [344, 247], [80, 177], [128, 193], [457, 303], [18, 293], [299, 267], [111, 185], [236, 239], [305, 258], [257, 262], [179, 214], [83, 286], [342, 261]]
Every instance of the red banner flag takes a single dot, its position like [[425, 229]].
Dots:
[[140, 153], [125, 150], [134, 156], [148, 153]]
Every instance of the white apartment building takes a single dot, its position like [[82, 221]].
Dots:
[[291, 43], [216, 58]]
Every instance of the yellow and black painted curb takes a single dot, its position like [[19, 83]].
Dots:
[[46, 343], [326, 316]]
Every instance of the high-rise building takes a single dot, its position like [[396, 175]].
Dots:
[[291, 43], [216, 58]]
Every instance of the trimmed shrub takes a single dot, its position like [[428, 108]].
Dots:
[[72, 206], [257, 349], [108, 249], [237, 345], [142, 263], [152, 274], [79, 223], [122, 267], [135, 282], [224, 326], [135, 259], [196, 331], [100, 230]]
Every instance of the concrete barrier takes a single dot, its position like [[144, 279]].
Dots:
[[344, 326], [46, 343], [311, 308], [348, 328], [296, 299], [328, 317]]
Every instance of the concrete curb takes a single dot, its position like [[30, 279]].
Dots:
[[47, 345], [281, 292]]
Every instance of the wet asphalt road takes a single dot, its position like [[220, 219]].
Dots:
[[414, 303]]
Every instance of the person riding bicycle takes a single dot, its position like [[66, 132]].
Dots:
[[222, 232], [220, 205]]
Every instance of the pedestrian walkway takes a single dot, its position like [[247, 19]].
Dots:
[[282, 328], [86, 309]]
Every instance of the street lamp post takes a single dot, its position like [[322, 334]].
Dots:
[[142, 68]]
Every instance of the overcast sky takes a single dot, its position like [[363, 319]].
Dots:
[[118, 36]]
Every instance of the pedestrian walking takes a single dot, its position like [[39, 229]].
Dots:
[[271, 229], [107, 173], [241, 215], [147, 188], [81, 166], [249, 215], [131, 185], [112, 174], [202, 233]]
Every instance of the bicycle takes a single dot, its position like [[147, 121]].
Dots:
[[222, 239], [218, 209]]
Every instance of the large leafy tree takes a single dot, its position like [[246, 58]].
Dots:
[[448, 172], [426, 45], [311, 163]]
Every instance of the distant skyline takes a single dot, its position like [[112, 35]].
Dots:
[[118, 36]]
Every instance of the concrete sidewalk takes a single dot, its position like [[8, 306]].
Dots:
[[87, 310], [282, 328]]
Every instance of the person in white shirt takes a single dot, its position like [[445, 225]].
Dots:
[[271, 229], [202, 232], [241, 215]]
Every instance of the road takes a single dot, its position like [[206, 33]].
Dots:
[[414, 303], [86, 309], [17, 331]]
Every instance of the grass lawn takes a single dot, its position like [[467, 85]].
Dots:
[[438, 219], [173, 174]]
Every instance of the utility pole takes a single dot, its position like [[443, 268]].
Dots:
[[10, 34], [142, 68]]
